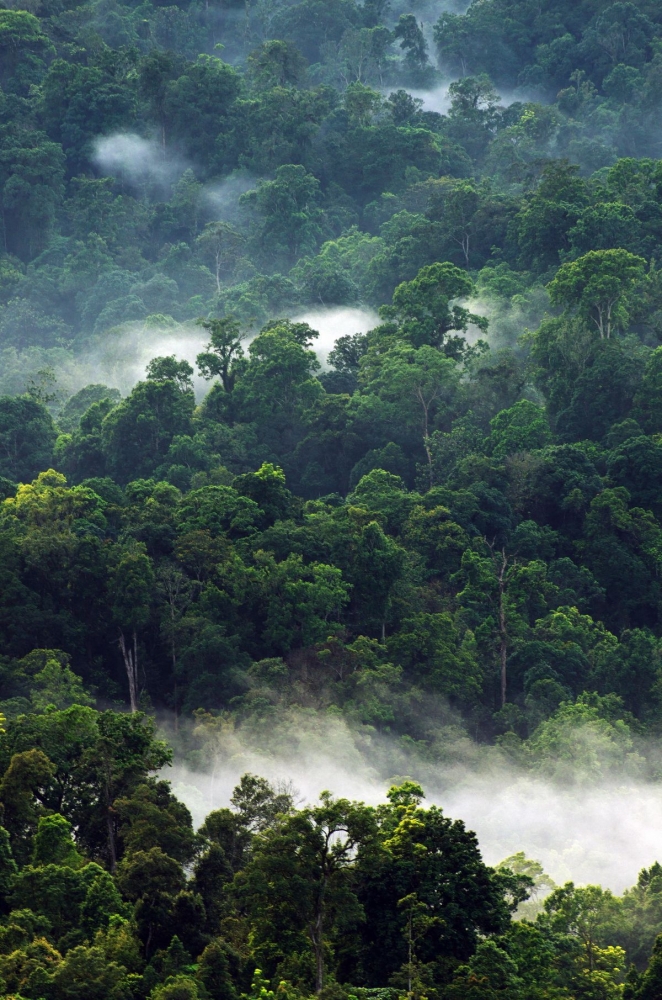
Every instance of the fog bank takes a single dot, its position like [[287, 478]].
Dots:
[[593, 832]]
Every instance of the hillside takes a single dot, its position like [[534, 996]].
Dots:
[[420, 545]]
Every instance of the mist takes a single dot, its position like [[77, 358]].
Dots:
[[223, 196], [137, 161], [334, 322], [591, 831], [144, 164], [118, 358], [439, 98]]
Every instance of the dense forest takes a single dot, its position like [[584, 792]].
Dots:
[[445, 532]]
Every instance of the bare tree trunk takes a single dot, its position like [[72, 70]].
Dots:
[[130, 657], [218, 273], [426, 435]]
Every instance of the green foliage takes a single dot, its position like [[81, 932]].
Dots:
[[598, 286], [53, 843], [423, 311], [27, 437], [432, 529]]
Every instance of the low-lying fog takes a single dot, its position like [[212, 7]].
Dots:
[[589, 832], [119, 358]]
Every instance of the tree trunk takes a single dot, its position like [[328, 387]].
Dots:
[[319, 961], [410, 956], [503, 638], [130, 657], [426, 435], [316, 931], [426, 445], [111, 833]]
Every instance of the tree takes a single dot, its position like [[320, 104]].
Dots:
[[423, 379], [454, 205], [123, 755], [131, 587], [218, 510], [23, 46], [424, 312], [76, 762], [223, 244], [299, 603], [31, 186], [86, 972], [453, 42], [345, 359], [54, 845], [584, 913], [151, 817], [413, 44], [473, 115], [500, 597], [259, 804], [153, 881], [57, 685], [546, 218], [603, 393], [276, 64], [598, 287], [277, 385], [523, 427], [293, 219], [171, 370], [137, 434], [620, 547], [8, 868], [223, 351], [432, 651], [423, 853], [647, 408], [650, 984], [21, 793], [27, 438], [267, 488], [216, 965], [604, 227], [155, 72], [76, 406], [621, 32], [300, 871], [194, 101]]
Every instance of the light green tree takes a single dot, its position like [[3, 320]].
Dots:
[[597, 287]]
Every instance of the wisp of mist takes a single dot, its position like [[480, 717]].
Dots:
[[141, 163], [600, 832], [136, 160]]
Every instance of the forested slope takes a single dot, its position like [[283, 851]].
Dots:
[[450, 531]]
